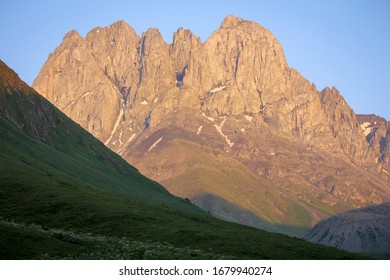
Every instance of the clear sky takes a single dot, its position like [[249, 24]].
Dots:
[[342, 43]]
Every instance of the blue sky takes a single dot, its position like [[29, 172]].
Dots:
[[332, 43]]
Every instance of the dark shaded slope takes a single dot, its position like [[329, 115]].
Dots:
[[364, 230]]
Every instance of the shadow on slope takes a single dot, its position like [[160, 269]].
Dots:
[[225, 210]]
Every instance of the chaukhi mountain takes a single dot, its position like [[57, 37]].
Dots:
[[63, 194], [226, 123]]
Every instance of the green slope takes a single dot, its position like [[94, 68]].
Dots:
[[202, 172], [63, 194]]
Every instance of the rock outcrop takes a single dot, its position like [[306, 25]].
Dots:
[[300, 152], [72, 80], [184, 44], [377, 132]]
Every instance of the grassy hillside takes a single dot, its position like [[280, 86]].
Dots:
[[202, 172], [64, 195]]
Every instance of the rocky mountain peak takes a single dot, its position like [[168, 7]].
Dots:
[[114, 48], [120, 24], [72, 79], [332, 97], [152, 34], [232, 21], [73, 36], [332, 92], [119, 28], [246, 61], [152, 44], [155, 65], [182, 33], [185, 43], [344, 125]]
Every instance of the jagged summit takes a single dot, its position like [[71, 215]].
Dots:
[[231, 99], [184, 44], [232, 21], [152, 32], [185, 35], [120, 24], [73, 35]]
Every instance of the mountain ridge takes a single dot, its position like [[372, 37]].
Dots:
[[234, 96]]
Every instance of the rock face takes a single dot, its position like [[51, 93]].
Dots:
[[185, 43], [227, 119], [377, 132], [365, 230], [72, 80]]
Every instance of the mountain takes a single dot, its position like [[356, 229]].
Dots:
[[364, 230], [225, 123], [63, 194]]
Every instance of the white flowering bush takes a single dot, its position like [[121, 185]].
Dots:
[[114, 248]]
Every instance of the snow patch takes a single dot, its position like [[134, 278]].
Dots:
[[77, 99], [70, 104], [217, 89], [365, 127], [249, 118], [85, 94], [118, 120], [199, 130], [144, 102], [219, 129], [155, 144], [209, 118], [156, 99], [120, 152], [120, 137]]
